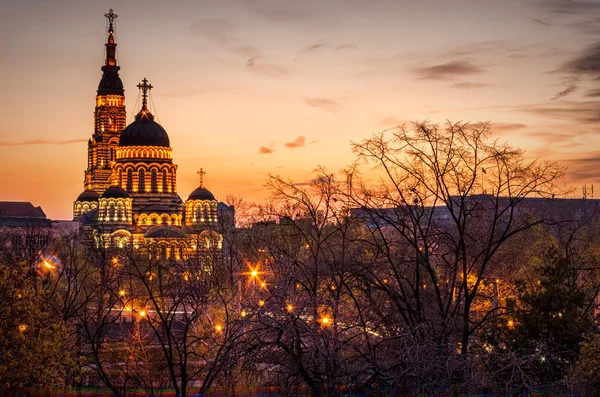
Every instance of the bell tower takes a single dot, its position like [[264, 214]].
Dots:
[[109, 118]]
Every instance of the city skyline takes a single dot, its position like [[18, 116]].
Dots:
[[246, 89]]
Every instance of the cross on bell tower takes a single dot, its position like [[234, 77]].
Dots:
[[111, 16], [145, 87], [201, 174]]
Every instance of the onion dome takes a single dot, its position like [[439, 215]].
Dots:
[[115, 192], [144, 131], [88, 195], [201, 193], [164, 232]]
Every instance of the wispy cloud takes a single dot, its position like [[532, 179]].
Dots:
[[265, 150], [41, 142], [448, 70], [296, 143], [267, 69], [586, 63], [505, 127], [574, 111], [586, 168], [328, 104], [541, 22], [329, 46], [566, 91], [469, 85], [570, 6]]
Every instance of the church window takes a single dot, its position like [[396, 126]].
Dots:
[[129, 180], [154, 183], [164, 181], [142, 181]]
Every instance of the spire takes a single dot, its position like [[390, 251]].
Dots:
[[145, 87], [111, 82], [111, 46]]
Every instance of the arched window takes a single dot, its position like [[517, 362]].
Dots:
[[121, 178], [111, 212], [164, 181], [129, 180], [142, 181], [154, 182]]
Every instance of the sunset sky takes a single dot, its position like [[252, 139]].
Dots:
[[251, 87]]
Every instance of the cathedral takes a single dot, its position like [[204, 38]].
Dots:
[[130, 184]]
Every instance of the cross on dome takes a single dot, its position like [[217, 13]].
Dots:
[[201, 174], [145, 87]]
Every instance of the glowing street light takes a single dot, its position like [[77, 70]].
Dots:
[[143, 313], [48, 265], [121, 293], [219, 328], [289, 307]]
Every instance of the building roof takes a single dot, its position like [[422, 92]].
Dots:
[[20, 209], [144, 131], [88, 195], [22, 213], [201, 193], [115, 192]]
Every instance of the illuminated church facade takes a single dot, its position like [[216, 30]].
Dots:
[[130, 184]]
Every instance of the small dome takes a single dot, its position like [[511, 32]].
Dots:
[[115, 192], [201, 193], [88, 195], [164, 232], [144, 131], [111, 83]]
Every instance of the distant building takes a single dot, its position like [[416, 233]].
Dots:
[[130, 184]]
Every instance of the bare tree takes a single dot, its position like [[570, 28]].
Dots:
[[447, 200]]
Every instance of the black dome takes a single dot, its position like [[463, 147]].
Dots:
[[111, 83], [88, 195], [144, 131], [201, 193], [115, 192]]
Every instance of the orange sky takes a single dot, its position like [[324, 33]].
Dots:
[[247, 88]]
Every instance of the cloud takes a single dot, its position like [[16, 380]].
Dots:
[[469, 85], [573, 111], [593, 93], [585, 168], [41, 142], [324, 103], [540, 21], [298, 142], [570, 6], [448, 70], [265, 150], [267, 69], [504, 127], [329, 46], [569, 89], [586, 63]]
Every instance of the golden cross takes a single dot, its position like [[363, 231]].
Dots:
[[201, 174]]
